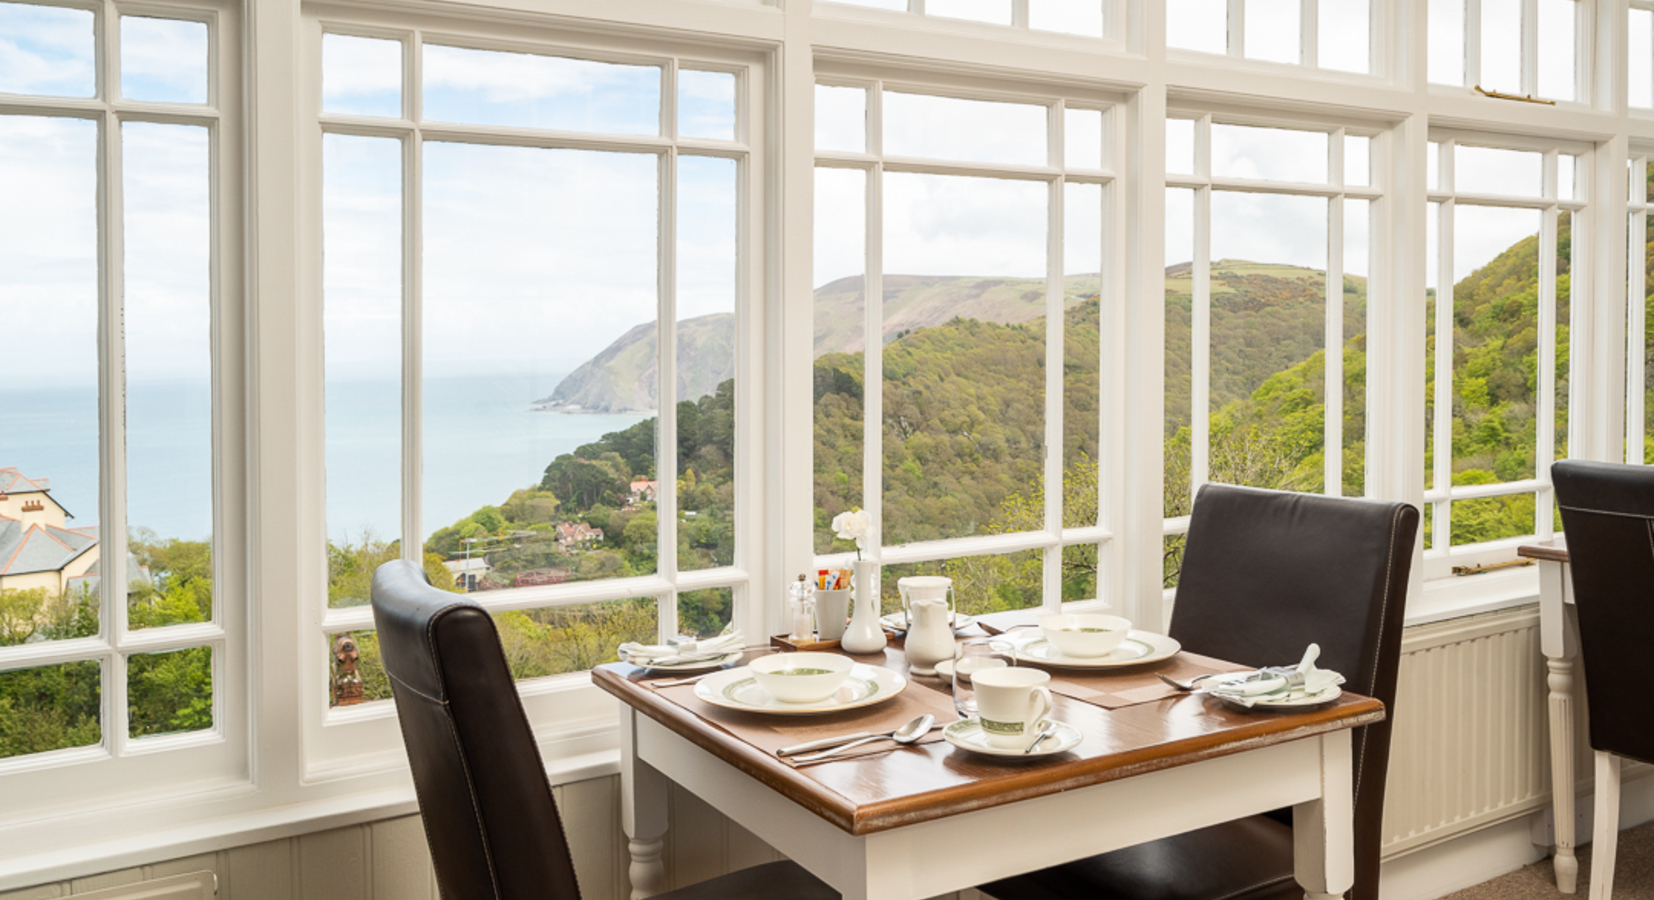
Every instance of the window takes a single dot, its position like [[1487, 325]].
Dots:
[[1081, 17], [1267, 243], [968, 234], [1639, 372], [510, 236], [1501, 235], [120, 598], [1530, 48], [1330, 34]]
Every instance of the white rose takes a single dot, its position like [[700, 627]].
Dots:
[[853, 526]]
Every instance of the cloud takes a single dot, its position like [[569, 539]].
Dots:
[[970, 130], [163, 60], [46, 51], [488, 87], [954, 225]]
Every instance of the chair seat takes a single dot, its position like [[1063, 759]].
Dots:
[[1249, 859], [772, 881]]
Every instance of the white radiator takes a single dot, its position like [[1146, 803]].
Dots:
[[193, 886]]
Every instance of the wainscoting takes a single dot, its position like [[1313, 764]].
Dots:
[[1470, 752]]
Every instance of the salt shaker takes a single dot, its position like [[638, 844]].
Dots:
[[801, 605]]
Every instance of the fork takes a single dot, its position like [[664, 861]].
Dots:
[[1183, 685], [690, 680]]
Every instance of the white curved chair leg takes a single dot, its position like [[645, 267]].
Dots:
[[1606, 832]]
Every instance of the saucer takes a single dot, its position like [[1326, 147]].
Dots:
[[967, 734], [896, 622], [738, 689], [690, 668], [1319, 698], [1139, 647]]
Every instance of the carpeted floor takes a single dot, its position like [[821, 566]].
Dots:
[[1633, 875]]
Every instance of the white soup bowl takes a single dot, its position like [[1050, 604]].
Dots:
[[801, 677], [1084, 635]]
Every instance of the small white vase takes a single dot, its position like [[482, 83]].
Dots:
[[864, 634]]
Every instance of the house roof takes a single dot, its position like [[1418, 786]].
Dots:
[[13, 481], [40, 548]]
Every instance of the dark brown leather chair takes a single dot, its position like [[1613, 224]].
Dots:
[[1265, 574], [1608, 516], [489, 816]]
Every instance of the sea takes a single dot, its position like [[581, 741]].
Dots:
[[481, 442]]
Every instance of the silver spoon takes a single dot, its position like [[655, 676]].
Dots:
[[907, 734], [1183, 685], [1049, 729]]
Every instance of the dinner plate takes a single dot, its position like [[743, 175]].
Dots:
[[967, 734], [1139, 647], [690, 668], [737, 689], [896, 622], [1319, 698]]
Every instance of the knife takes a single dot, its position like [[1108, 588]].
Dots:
[[824, 742]]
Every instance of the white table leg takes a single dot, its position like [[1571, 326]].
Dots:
[[1323, 830], [1605, 837], [1560, 645], [643, 812]]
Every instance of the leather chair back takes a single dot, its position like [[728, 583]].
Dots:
[[1608, 516], [1268, 572], [489, 816]]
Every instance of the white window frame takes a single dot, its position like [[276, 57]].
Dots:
[[346, 741], [1584, 51], [121, 768], [1114, 13], [1637, 285], [1309, 38], [1054, 537]]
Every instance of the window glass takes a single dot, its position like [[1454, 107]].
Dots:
[[997, 12], [1446, 38], [1082, 253], [706, 612], [49, 51], [1492, 170], [1067, 16], [168, 321], [50, 708], [1198, 25], [706, 105], [898, 5], [981, 584], [1358, 151], [488, 87], [1344, 40], [559, 639], [164, 60], [356, 669], [1565, 176], [840, 337], [361, 76], [1432, 166], [169, 693], [1272, 30], [1180, 289], [1269, 154], [1357, 241], [362, 320], [841, 118], [1640, 57], [1432, 314], [1502, 45], [1180, 146], [1083, 138], [1556, 48], [968, 130]]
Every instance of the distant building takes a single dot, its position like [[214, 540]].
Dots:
[[37, 548], [577, 535], [469, 574], [643, 492], [538, 577]]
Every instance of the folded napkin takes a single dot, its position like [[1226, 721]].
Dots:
[[1277, 683], [667, 655]]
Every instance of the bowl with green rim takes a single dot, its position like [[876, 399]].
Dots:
[[801, 677], [1084, 635]]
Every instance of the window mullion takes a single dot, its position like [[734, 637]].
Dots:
[[1237, 28], [1472, 42], [666, 388], [873, 328], [1200, 318], [111, 396], [1055, 290], [1019, 13], [1309, 32], [1332, 450], [1545, 433], [1530, 48], [413, 292], [1636, 309], [1443, 424]]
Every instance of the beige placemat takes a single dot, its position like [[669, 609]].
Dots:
[[1117, 688], [771, 732]]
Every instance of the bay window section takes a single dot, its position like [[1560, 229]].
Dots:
[[1329, 34], [972, 426], [522, 273], [1267, 250], [1086, 18], [1528, 48]]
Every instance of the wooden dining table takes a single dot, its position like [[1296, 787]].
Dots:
[[915, 822]]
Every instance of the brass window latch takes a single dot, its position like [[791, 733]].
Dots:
[[1502, 96], [1489, 567]]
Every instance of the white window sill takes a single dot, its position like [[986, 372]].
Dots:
[[1457, 596]]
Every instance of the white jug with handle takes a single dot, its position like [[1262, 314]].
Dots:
[[929, 635]]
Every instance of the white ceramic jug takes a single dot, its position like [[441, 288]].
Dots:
[[929, 635]]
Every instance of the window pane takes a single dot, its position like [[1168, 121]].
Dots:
[[997, 12], [981, 584], [1068, 16], [1564, 327], [1272, 30], [488, 87], [1489, 170], [356, 671], [841, 118], [705, 613], [1344, 39], [1358, 160], [1357, 244], [49, 51], [1432, 293], [1269, 154], [1079, 573], [1502, 46], [970, 130], [163, 60], [168, 322], [706, 105], [1198, 25], [49, 708], [362, 327], [1492, 518], [1180, 146], [48, 384], [1180, 251], [1556, 48], [1432, 166], [515, 302], [1172, 558], [169, 693], [1496, 321], [1446, 37], [964, 382], [707, 196], [840, 330], [1640, 57], [1565, 175], [1644, 282], [1083, 138], [1268, 328], [1082, 351], [899, 5], [559, 639], [361, 76]]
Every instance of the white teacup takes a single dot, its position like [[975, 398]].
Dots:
[[1011, 703]]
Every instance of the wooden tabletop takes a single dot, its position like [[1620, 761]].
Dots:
[[932, 781], [1553, 551]]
